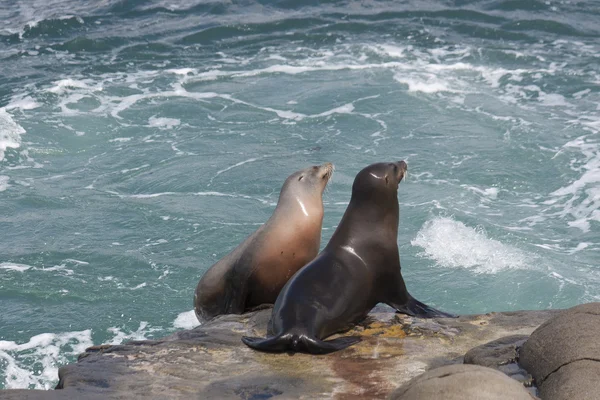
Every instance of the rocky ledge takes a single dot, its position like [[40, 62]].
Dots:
[[210, 361], [562, 355]]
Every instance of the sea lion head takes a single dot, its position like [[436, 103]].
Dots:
[[305, 188], [379, 180], [375, 198], [311, 179]]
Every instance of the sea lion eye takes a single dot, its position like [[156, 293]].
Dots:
[[395, 168], [301, 176]]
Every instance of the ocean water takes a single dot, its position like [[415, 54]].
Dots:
[[140, 141]]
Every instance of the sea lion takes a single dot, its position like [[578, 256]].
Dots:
[[255, 271], [359, 267]]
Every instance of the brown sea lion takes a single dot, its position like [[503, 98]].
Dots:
[[255, 271], [359, 267]]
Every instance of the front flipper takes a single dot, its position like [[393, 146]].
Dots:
[[415, 308]]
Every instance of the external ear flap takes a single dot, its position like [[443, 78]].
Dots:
[[386, 180]]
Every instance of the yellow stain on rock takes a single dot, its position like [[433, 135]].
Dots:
[[384, 330], [481, 321]]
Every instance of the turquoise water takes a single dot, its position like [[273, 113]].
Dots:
[[141, 141]]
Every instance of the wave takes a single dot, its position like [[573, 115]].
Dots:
[[452, 244], [34, 364]]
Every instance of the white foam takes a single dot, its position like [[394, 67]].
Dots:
[[71, 91], [580, 246], [10, 132], [452, 244], [580, 200], [22, 102], [127, 170], [74, 261], [140, 334], [66, 85], [148, 196], [345, 109], [186, 320], [562, 278], [48, 351], [60, 268], [126, 102], [488, 193], [163, 123], [425, 83], [219, 194], [391, 50], [141, 285], [235, 166], [182, 71], [14, 267], [314, 66], [582, 93], [553, 100], [4, 183]]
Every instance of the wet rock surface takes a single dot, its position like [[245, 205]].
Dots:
[[210, 361], [462, 382], [563, 354]]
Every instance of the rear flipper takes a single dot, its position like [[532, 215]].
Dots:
[[300, 344], [415, 308]]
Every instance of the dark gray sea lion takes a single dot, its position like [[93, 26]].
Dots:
[[359, 267], [255, 271]]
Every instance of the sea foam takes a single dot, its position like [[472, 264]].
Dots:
[[46, 351], [186, 320], [452, 244], [580, 200], [10, 132], [4, 183], [14, 267]]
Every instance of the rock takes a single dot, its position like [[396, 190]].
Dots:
[[497, 352], [555, 352], [501, 354], [577, 380], [210, 361], [462, 382]]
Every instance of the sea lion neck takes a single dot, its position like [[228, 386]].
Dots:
[[301, 205], [361, 216]]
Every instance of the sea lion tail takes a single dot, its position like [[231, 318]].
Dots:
[[275, 344], [301, 344], [415, 308]]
